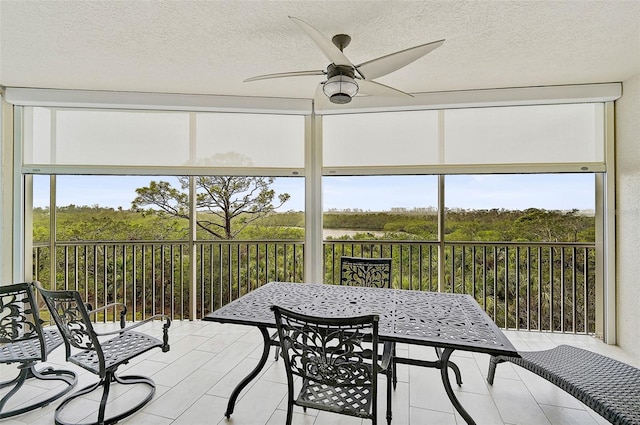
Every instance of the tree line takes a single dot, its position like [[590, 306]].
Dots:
[[77, 223], [236, 207]]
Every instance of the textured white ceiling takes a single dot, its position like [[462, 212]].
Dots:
[[210, 47]]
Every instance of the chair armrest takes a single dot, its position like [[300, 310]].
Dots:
[[123, 312], [165, 329]]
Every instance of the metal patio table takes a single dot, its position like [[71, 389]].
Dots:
[[450, 321]]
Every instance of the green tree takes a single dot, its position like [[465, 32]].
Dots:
[[228, 203], [554, 226]]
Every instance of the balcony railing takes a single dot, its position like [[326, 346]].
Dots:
[[533, 286]]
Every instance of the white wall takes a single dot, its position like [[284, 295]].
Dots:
[[628, 215], [6, 200]]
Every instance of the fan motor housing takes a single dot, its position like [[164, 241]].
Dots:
[[333, 70], [340, 86]]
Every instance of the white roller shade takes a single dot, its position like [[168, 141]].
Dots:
[[381, 139], [126, 138], [249, 140], [541, 134], [570, 135], [105, 137]]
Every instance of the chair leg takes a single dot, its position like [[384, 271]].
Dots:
[[18, 381], [79, 393], [395, 369], [492, 368], [289, 412], [105, 383], [46, 374], [390, 372], [276, 343]]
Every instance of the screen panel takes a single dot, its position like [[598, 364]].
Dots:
[[249, 140], [113, 138], [542, 134], [537, 135], [381, 139], [101, 137]]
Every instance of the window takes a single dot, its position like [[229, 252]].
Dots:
[[520, 207]]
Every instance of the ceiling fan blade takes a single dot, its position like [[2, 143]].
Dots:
[[328, 48], [285, 74], [368, 87], [386, 64]]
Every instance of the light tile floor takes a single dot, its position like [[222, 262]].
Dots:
[[195, 378]]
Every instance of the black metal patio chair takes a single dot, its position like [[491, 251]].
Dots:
[[358, 271], [368, 272], [24, 340], [337, 361], [376, 272], [99, 355]]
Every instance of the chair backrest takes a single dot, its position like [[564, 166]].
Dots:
[[357, 271], [20, 320], [339, 352], [70, 314]]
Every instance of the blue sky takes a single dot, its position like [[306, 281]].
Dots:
[[374, 193]]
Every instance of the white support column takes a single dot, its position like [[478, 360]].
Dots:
[[441, 244], [441, 179], [313, 255], [27, 220], [53, 204], [192, 248], [193, 220], [52, 232], [599, 181], [20, 249], [6, 198], [608, 199]]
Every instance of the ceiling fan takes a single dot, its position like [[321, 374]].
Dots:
[[344, 79]]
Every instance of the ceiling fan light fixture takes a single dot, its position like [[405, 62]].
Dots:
[[341, 74], [340, 88]]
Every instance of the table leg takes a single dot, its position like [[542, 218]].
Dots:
[[444, 372], [252, 374]]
